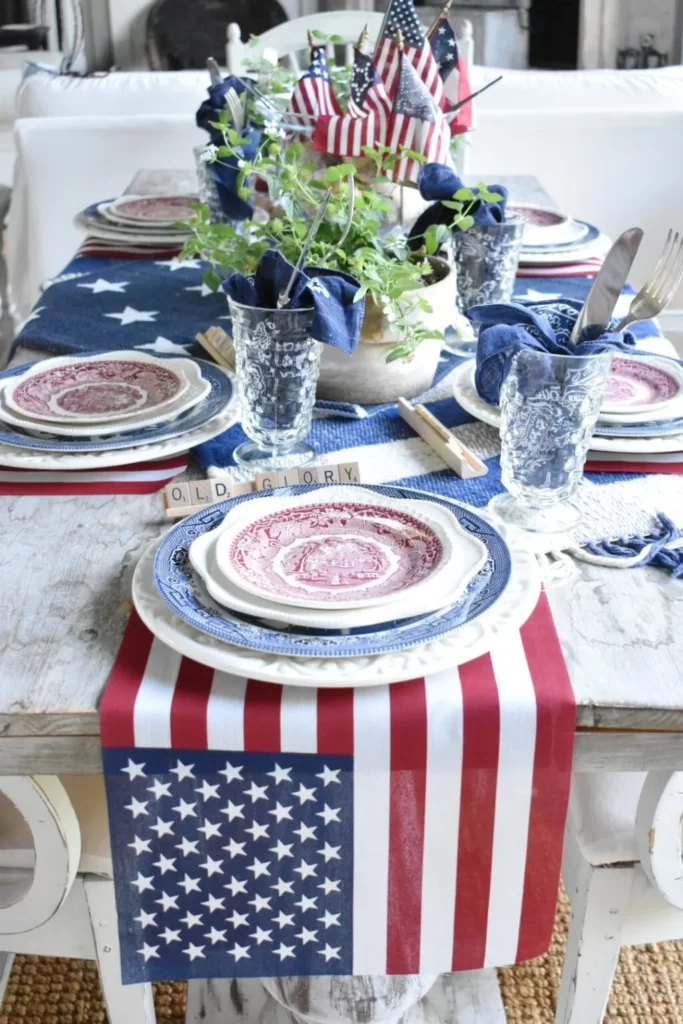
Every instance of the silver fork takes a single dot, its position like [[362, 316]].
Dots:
[[657, 293]]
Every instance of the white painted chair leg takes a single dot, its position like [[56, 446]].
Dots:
[[599, 899], [225, 1001], [126, 1004], [6, 961]]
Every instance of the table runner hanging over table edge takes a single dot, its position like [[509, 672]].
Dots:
[[260, 830]]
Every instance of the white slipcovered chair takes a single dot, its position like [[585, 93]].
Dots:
[[623, 872], [56, 893], [616, 166], [65, 163]]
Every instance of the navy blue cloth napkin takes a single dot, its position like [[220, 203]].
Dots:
[[211, 109], [330, 293], [225, 170], [437, 182], [542, 326]]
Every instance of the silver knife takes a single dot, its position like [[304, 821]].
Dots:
[[606, 289]]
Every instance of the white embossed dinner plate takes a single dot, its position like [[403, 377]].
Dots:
[[157, 210], [510, 611], [97, 389], [468, 558], [643, 389], [40, 460], [347, 553], [197, 390], [467, 397]]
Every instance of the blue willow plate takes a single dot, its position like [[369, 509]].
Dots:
[[577, 243], [215, 402], [185, 594]]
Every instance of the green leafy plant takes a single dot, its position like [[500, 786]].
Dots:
[[388, 272]]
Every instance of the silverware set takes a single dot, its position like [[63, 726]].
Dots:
[[652, 299]]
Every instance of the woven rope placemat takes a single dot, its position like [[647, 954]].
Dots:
[[648, 988]]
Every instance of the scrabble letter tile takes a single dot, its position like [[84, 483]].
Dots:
[[201, 492], [221, 489], [266, 481], [328, 474], [288, 478], [242, 487], [309, 475], [349, 473], [177, 495]]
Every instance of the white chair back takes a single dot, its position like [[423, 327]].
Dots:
[[290, 39], [597, 164], [65, 163]]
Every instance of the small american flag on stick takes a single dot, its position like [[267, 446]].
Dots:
[[453, 73], [313, 93], [368, 116], [417, 125], [402, 17]]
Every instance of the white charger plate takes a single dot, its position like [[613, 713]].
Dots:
[[197, 390], [181, 369], [116, 207], [510, 611], [456, 547], [232, 596], [563, 257], [467, 397], [38, 460], [99, 228]]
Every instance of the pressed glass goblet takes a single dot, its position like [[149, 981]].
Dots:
[[549, 408], [277, 363]]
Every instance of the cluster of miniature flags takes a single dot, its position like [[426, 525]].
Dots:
[[408, 97]]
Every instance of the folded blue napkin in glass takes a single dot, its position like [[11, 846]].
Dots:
[[437, 182], [330, 293], [225, 171], [211, 109], [507, 328]]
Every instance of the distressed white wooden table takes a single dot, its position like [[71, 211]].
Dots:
[[66, 565]]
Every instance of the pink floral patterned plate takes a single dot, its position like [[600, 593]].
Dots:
[[637, 385], [159, 210], [333, 554], [100, 388]]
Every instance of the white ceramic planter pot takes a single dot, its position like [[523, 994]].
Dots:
[[365, 376]]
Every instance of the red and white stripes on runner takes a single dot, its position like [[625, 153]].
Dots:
[[617, 462], [460, 792], [138, 478]]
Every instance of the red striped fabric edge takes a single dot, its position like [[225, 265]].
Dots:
[[118, 701], [70, 486], [556, 723], [633, 467], [481, 741], [407, 803]]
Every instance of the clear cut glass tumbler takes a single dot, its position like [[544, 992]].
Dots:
[[277, 363], [549, 407]]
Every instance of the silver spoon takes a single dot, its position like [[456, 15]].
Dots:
[[283, 297], [214, 71]]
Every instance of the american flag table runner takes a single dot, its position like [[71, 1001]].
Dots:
[[261, 830], [138, 478]]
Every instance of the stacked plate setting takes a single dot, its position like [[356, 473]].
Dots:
[[119, 407], [130, 218], [334, 585], [552, 238], [642, 411]]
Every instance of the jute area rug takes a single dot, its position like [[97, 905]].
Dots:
[[648, 988]]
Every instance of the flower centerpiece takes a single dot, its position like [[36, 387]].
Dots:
[[314, 147]]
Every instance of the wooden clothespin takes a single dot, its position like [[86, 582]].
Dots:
[[453, 452], [219, 345]]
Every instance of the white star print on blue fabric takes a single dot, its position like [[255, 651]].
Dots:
[[202, 288], [133, 316], [162, 346], [258, 874], [177, 264], [100, 285]]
